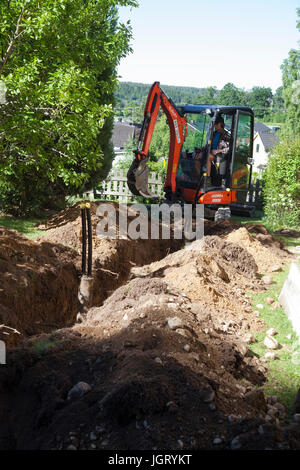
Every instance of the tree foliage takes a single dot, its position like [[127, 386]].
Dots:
[[291, 88], [282, 189], [58, 62], [230, 95]]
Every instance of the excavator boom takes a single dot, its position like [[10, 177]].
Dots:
[[138, 174]]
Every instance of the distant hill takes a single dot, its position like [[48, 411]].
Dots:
[[130, 91]]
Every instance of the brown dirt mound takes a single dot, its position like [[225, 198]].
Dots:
[[214, 272], [266, 251], [39, 285]]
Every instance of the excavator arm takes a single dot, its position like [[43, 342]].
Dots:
[[138, 174]]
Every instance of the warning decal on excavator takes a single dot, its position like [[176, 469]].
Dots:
[[177, 131]]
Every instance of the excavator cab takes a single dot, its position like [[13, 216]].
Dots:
[[191, 134]]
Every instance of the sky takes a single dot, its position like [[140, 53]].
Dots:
[[209, 43]]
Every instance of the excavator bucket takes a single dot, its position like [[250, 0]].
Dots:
[[137, 178]]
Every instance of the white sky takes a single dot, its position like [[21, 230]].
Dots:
[[209, 43]]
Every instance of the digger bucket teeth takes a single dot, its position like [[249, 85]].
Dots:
[[137, 179]]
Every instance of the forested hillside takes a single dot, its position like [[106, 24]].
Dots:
[[130, 99]]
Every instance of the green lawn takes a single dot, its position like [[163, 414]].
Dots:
[[283, 372], [25, 226]]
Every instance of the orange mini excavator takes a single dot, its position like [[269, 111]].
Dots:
[[191, 131]]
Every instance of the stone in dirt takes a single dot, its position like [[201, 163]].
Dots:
[[80, 389], [270, 342], [276, 305], [270, 355], [269, 300], [271, 332], [267, 280]]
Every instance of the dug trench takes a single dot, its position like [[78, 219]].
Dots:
[[161, 360]]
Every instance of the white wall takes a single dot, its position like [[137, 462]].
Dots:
[[260, 157]]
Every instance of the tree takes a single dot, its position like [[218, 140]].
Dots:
[[230, 95], [282, 185], [291, 88], [208, 96], [260, 99], [58, 63]]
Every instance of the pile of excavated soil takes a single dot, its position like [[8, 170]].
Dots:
[[216, 273], [39, 285], [265, 249]]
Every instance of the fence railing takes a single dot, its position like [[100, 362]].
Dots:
[[115, 188], [256, 194]]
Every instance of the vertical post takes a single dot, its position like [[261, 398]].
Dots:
[[90, 239], [83, 255]]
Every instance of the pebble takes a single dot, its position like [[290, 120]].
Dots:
[[270, 342], [158, 360], [261, 430], [271, 332], [207, 394], [269, 300], [93, 436], [71, 447], [80, 389], [276, 305], [187, 347], [217, 440], [260, 306], [270, 355], [174, 322], [235, 443], [104, 443], [267, 280], [249, 338], [180, 444], [289, 336], [212, 406], [275, 268]]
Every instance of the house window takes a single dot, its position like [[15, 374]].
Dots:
[[257, 148]]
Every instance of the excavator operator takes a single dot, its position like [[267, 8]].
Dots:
[[220, 145]]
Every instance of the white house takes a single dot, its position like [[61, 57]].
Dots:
[[264, 140]]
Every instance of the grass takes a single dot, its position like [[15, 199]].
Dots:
[[25, 226], [283, 374]]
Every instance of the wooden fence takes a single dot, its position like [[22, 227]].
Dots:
[[255, 194], [115, 188]]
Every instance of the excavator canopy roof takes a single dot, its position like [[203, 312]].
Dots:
[[212, 109]]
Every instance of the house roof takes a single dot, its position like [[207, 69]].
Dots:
[[269, 139], [122, 133]]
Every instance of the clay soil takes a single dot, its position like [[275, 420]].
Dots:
[[162, 347]]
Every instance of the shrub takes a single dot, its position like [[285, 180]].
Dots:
[[282, 188]]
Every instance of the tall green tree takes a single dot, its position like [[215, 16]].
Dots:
[[291, 87], [260, 99], [58, 62], [230, 95]]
